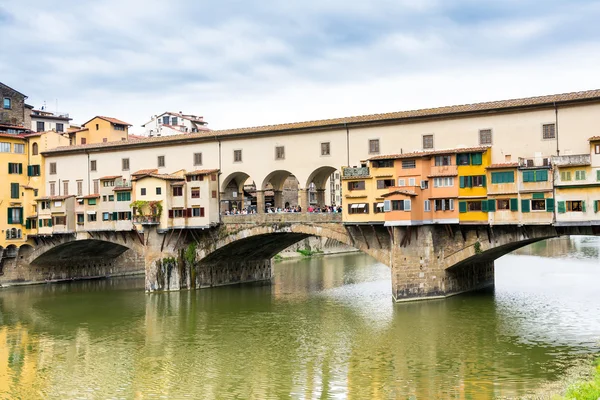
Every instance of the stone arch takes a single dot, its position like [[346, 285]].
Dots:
[[320, 176], [233, 196], [238, 177], [76, 252], [276, 179], [25, 251]]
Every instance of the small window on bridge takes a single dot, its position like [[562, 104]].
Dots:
[[373, 146], [279, 153], [325, 148]]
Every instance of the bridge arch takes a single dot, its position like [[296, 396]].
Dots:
[[76, 251], [320, 176], [276, 178], [238, 177]]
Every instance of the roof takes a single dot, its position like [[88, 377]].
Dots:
[[53, 198], [417, 154], [89, 196], [443, 174], [178, 183], [12, 136], [166, 177], [503, 165], [189, 117], [110, 177], [404, 192], [122, 188], [109, 119], [202, 172], [594, 138], [338, 123], [145, 172], [53, 117], [13, 89], [132, 136]]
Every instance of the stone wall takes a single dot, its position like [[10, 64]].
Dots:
[[16, 114]]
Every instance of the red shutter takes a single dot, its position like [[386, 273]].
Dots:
[[213, 177], [202, 211], [201, 177], [214, 194], [189, 212], [170, 213], [184, 213], [188, 178]]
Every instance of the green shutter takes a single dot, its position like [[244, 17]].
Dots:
[[484, 206], [9, 164], [40, 223], [469, 181], [462, 206], [550, 205], [510, 177], [598, 175], [50, 223], [525, 205], [476, 159], [115, 216], [21, 215], [541, 175], [583, 206], [14, 190], [484, 178], [595, 206], [538, 196], [27, 224], [10, 221], [491, 205], [462, 181], [20, 168], [30, 170], [514, 204], [561, 207], [495, 177]]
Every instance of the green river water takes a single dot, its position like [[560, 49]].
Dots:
[[324, 328]]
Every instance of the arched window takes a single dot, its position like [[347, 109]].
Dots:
[[19, 233], [34, 149], [13, 233], [8, 233]]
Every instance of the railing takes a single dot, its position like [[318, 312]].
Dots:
[[123, 184], [301, 217], [444, 170], [535, 162], [572, 160], [351, 172], [146, 219]]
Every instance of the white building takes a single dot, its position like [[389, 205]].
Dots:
[[42, 121], [170, 123]]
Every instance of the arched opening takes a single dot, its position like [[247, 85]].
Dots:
[[324, 189], [25, 251], [80, 251], [11, 251], [280, 191], [34, 149], [238, 194]]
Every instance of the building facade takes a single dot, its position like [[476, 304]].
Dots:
[[170, 123], [100, 130], [42, 121]]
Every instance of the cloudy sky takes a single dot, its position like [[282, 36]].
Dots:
[[270, 61]]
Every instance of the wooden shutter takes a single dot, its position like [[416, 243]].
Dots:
[[525, 205], [514, 204], [202, 211], [491, 205], [550, 205], [189, 212], [462, 181], [10, 221], [561, 207], [462, 206], [170, 213], [484, 205], [484, 178], [20, 168], [115, 216], [583, 206]]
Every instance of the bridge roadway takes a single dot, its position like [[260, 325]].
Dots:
[[429, 261]]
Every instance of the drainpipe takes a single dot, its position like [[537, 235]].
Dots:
[[347, 144], [556, 128]]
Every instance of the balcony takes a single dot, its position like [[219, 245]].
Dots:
[[535, 162], [575, 160], [147, 219], [354, 172], [443, 170]]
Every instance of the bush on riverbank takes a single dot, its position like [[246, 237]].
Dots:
[[588, 390]]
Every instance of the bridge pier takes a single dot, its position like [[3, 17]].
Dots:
[[303, 199]]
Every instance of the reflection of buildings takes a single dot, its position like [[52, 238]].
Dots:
[[580, 247]]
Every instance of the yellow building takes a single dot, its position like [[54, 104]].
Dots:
[[472, 178], [100, 130], [363, 199]]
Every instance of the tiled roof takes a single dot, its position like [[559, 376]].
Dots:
[[202, 172], [178, 183], [12, 136], [405, 192], [77, 131], [110, 177], [54, 198], [89, 196], [503, 165], [594, 138], [145, 172], [440, 112], [418, 154], [122, 189], [110, 119], [166, 177], [443, 174]]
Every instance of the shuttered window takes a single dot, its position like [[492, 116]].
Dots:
[[14, 190], [503, 177]]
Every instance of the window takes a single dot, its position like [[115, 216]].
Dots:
[[279, 153], [197, 158], [427, 205], [158, 190], [124, 216], [83, 140], [123, 196], [358, 208], [358, 185], [161, 161], [580, 175], [214, 194], [384, 183], [93, 165], [424, 184], [325, 148], [125, 164], [195, 193], [7, 103], [142, 191], [400, 205], [485, 136], [373, 146], [14, 168], [52, 168], [111, 197], [237, 156], [565, 175], [97, 127], [92, 202], [503, 177], [409, 164], [597, 148], [540, 175], [474, 205], [165, 120], [119, 127], [462, 159], [15, 215], [443, 160], [198, 212], [503, 204], [52, 189], [4, 147], [377, 164], [428, 141], [14, 190], [66, 188], [443, 205], [402, 182], [538, 205], [177, 191], [443, 182], [108, 183], [472, 181], [96, 186], [178, 213], [412, 182], [92, 217], [548, 131], [174, 121], [105, 216], [79, 188], [378, 208], [19, 148], [34, 149], [40, 126], [60, 127], [33, 170], [60, 220], [575, 206]]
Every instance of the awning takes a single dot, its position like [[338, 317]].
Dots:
[[379, 204], [362, 205], [91, 212], [354, 206]]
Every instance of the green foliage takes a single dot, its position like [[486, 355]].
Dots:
[[190, 254], [308, 252], [152, 208], [589, 390], [277, 257], [477, 247]]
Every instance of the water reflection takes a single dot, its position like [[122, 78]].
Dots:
[[326, 328]]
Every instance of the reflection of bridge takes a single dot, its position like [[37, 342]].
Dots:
[[425, 261]]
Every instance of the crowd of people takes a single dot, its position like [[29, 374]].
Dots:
[[292, 209]]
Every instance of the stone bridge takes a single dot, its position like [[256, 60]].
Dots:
[[429, 261]]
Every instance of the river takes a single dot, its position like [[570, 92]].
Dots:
[[325, 328]]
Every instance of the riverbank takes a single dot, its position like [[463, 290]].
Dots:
[[582, 382]]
